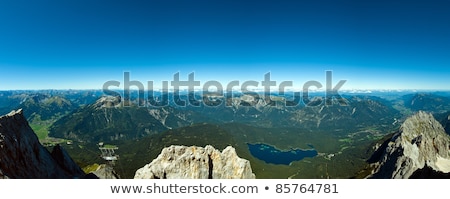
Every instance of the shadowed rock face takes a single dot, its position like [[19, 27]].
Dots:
[[181, 162], [446, 123], [63, 159], [22, 156], [420, 147]]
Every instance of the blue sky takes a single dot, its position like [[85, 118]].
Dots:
[[82, 44]]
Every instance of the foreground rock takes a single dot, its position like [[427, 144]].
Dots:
[[22, 156], [421, 149], [181, 162]]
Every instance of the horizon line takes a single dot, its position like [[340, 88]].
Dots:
[[250, 90]]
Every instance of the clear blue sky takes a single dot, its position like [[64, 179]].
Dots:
[[84, 43]]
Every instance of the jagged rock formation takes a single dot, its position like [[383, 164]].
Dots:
[[181, 162], [420, 149], [22, 156]]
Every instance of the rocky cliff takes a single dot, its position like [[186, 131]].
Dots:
[[181, 162], [22, 156], [420, 149]]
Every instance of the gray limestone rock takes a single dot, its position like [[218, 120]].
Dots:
[[420, 145], [182, 162]]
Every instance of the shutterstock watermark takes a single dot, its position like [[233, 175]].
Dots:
[[192, 92]]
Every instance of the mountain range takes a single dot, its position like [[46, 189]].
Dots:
[[108, 120], [344, 137]]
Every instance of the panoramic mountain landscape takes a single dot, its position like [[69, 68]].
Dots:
[[290, 89], [356, 140]]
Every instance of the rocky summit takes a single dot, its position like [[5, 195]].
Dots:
[[182, 162], [22, 156], [420, 149]]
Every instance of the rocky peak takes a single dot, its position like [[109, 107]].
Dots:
[[108, 101], [420, 146], [22, 156], [182, 162]]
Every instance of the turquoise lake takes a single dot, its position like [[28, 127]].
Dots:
[[270, 154]]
